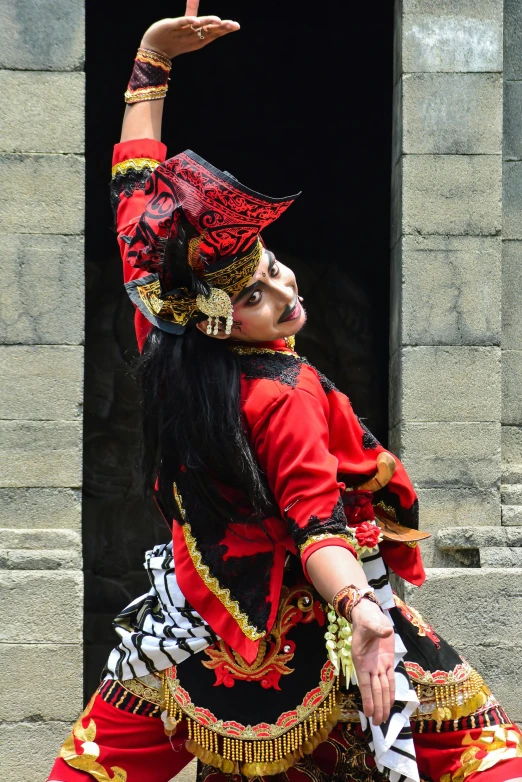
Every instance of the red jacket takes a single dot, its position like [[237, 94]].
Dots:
[[309, 443]]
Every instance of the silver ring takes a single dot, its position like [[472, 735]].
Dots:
[[200, 34]]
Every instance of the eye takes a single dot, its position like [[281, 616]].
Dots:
[[274, 271], [255, 298]]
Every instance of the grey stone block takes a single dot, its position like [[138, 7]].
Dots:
[[40, 559], [39, 539], [40, 508], [451, 194], [512, 515], [40, 454], [512, 494], [56, 695], [44, 301], [512, 39], [458, 601], [30, 748], [499, 664], [41, 112], [514, 537], [41, 606], [512, 473], [447, 384], [469, 537], [41, 382], [433, 42], [39, 35], [511, 445], [446, 291], [512, 295], [458, 507], [444, 113], [511, 385], [439, 455], [512, 149], [512, 200], [42, 194], [501, 557]]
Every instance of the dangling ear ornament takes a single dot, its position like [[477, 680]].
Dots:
[[216, 305]]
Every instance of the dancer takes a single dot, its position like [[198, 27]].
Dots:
[[270, 644]]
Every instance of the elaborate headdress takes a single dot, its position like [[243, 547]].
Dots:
[[199, 239]]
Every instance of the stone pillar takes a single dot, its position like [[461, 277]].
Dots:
[[445, 400], [512, 276], [41, 378]]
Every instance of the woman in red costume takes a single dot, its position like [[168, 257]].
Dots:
[[270, 644]]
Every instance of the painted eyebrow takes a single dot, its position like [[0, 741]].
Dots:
[[251, 288]]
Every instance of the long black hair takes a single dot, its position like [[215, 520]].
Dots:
[[192, 425]]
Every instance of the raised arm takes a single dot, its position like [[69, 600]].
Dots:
[[168, 38]]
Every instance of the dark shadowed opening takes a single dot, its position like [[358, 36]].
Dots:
[[298, 100]]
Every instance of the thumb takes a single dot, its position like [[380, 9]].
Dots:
[[383, 631]]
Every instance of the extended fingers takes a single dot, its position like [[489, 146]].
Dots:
[[377, 695], [365, 687]]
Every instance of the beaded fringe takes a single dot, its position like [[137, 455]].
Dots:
[[258, 757], [452, 701]]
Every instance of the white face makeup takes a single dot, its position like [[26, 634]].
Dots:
[[268, 308]]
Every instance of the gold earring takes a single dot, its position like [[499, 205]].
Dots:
[[217, 304]]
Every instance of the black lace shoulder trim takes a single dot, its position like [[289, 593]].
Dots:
[[281, 367], [335, 524], [127, 183]]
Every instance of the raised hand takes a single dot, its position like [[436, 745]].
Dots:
[[172, 37], [373, 657]]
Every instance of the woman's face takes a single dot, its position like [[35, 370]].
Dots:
[[268, 308]]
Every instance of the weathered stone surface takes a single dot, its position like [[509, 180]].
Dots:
[[512, 515], [511, 445], [512, 473], [30, 748], [40, 559], [469, 537], [451, 42], [458, 507], [38, 606], [512, 200], [501, 557], [40, 453], [512, 147], [511, 385], [512, 494], [446, 291], [512, 295], [443, 113], [447, 384], [40, 508], [39, 538], [42, 36], [41, 681], [42, 194], [51, 377], [512, 39], [451, 194], [501, 670], [42, 271], [454, 600], [468, 9], [449, 454], [41, 112]]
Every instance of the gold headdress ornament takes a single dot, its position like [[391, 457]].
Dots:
[[216, 305]]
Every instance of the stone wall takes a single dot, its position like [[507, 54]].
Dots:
[[447, 365], [41, 380]]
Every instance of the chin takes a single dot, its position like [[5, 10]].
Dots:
[[293, 326]]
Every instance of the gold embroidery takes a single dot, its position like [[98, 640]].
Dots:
[[271, 661], [452, 701], [88, 760], [502, 742], [181, 307], [146, 693], [134, 164], [325, 536]]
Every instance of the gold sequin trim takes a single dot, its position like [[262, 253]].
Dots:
[[134, 164], [147, 93], [325, 536], [451, 701], [222, 594]]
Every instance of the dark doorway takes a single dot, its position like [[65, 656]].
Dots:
[[300, 99]]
